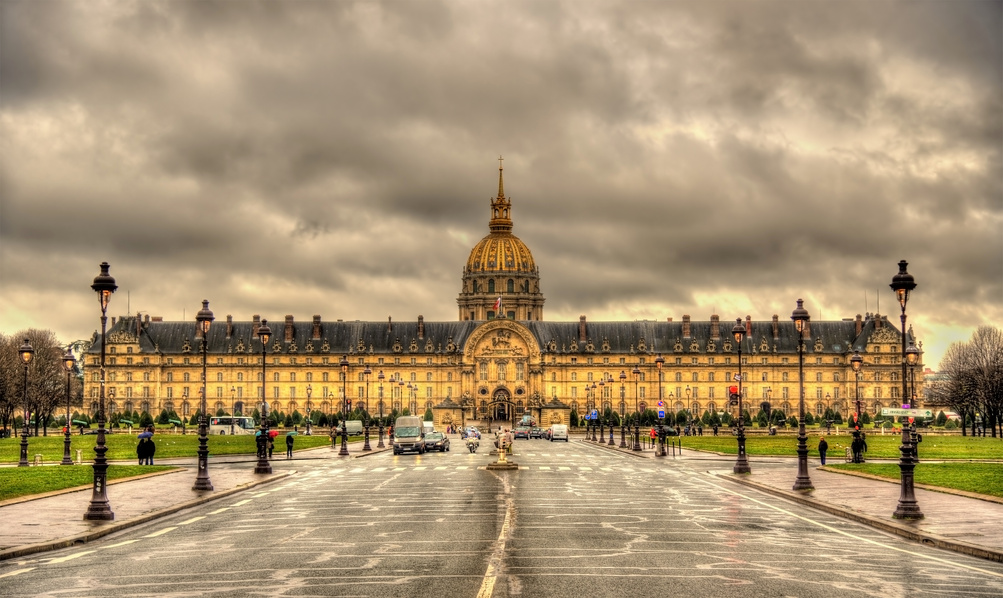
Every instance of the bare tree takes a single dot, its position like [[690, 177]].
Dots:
[[46, 377], [974, 386]]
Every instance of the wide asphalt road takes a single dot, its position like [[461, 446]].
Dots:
[[576, 520]]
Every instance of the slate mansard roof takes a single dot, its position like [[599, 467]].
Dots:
[[420, 337]]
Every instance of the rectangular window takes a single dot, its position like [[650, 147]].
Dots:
[[710, 392], [146, 392], [292, 392], [275, 392], [219, 392], [484, 371], [574, 392], [170, 392], [710, 376], [640, 392], [786, 393], [574, 376], [449, 376], [520, 371]]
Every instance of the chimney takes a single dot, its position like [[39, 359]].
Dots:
[[776, 326], [157, 319], [139, 324], [390, 324], [669, 319], [229, 325], [581, 329], [686, 326], [858, 325], [315, 335], [877, 321], [421, 326], [113, 321], [715, 327], [748, 328], [147, 319], [255, 325], [289, 329]]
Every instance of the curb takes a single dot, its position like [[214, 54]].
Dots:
[[941, 489], [90, 536], [899, 529]]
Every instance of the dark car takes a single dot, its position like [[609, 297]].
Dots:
[[536, 432], [520, 432], [436, 441]]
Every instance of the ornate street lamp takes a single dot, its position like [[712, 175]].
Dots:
[[903, 283], [637, 413], [365, 413], [659, 362], [233, 411], [856, 363], [309, 408], [379, 424], [99, 508], [344, 405], [623, 398], [912, 358], [801, 319], [263, 466], [593, 413], [602, 409], [25, 353], [742, 462], [68, 364], [204, 320]]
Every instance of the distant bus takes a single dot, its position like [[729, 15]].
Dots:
[[226, 424]]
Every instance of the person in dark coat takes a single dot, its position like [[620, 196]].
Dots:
[[857, 448], [823, 446], [289, 446]]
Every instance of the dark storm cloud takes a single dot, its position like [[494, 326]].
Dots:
[[662, 157]]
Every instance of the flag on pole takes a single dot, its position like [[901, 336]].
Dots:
[[498, 304]]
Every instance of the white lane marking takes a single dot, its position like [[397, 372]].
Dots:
[[563, 468], [494, 563], [161, 532], [585, 468], [192, 520], [379, 469], [69, 557], [420, 468], [18, 572], [848, 534], [544, 467], [241, 503], [119, 544], [218, 511]]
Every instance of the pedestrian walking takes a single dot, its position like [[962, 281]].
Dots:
[[271, 446], [289, 446], [856, 447], [823, 446]]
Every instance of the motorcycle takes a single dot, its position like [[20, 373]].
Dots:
[[472, 444]]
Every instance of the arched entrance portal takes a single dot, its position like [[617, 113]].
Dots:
[[501, 407]]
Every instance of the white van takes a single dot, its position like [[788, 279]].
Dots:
[[427, 426], [559, 432], [408, 435], [353, 427]]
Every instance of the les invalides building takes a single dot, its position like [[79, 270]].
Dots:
[[500, 360]]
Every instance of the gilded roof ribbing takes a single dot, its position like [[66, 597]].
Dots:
[[500, 252]]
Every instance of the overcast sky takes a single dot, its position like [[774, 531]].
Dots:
[[663, 158]]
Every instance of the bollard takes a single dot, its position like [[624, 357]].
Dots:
[[80, 454], [38, 459]]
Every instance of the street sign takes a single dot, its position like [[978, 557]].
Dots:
[[907, 412], [661, 414], [594, 414]]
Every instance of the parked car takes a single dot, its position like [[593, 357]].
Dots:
[[436, 441], [520, 432], [536, 432]]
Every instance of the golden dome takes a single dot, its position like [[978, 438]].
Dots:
[[501, 252]]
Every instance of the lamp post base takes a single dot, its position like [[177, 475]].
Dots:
[[67, 458], [907, 508], [365, 444], [742, 463], [380, 444], [344, 443]]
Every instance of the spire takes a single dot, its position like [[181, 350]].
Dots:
[[501, 183], [501, 207]]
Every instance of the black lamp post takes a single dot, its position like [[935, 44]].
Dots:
[[344, 405], [309, 408], [233, 412], [602, 409], [68, 363], [593, 413], [742, 462], [903, 283], [856, 363], [912, 358], [204, 320], [379, 424], [637, 413], [661, 452], [99, 508], [365, 413], [623, 411], [263, 466], [801, 319], [25, 353]]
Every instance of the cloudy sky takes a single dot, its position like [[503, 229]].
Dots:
[[663, 158]]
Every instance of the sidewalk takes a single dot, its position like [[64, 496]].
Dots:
[[55, 520], [951, 521]]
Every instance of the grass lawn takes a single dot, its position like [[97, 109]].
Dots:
[[123, 446], [981, 478], [22, 481], [878, 446]]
